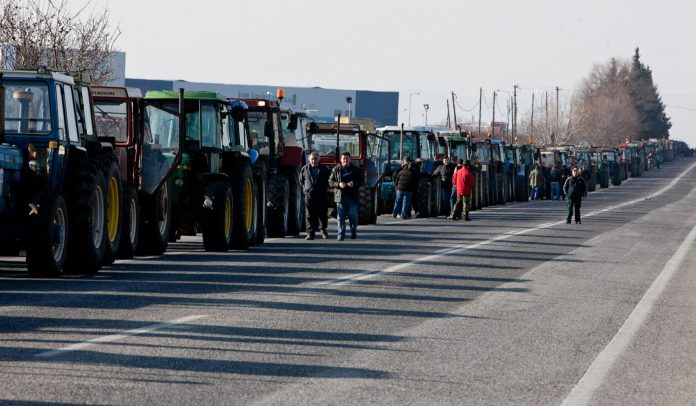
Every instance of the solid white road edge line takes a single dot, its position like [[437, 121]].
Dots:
[[460, 248], [116, 337], [594, 376]]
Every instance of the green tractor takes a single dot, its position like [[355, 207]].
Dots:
[[199, 192], [60, 195]]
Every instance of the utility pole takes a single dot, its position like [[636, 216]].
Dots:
[[507, 124], [531, 127], [493, 122], [556, 132], [546, 130], [480, 101], [454, 111], [448, 114], [514, 111]]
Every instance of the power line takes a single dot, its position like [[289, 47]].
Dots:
[[682, 107]]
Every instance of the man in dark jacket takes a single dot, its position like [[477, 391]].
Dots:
[[345, 179], [403, 180], [446, 172], [574, 189], [314, 179]]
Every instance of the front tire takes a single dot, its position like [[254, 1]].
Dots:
[[217, 217], [244, 223], [113, 207], [47, 245], [130, 226], [156, 222], [277, 209]]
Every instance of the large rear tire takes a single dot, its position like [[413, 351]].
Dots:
[[423, 206], [244, 221], [260, 185], [296, 201], [155, 222], [130, 226], [365, 205], [87, 236], [47, 245], [436, 197], [217, 223], [277, 215], [113, 207]]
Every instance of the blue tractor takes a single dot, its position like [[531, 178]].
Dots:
[[60, 187]]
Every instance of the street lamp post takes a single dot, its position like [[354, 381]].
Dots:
[[426, 107], [409, 106]]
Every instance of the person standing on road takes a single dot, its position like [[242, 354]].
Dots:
[[555, 176], [345, 179], [314, 179], [536, 181], [464, 182], [446, 173], [403, 181], [574, 189]]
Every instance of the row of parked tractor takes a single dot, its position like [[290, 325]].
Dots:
[[90, 174]]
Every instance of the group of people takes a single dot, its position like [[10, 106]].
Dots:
[[345, 180], [457, 188], [538, 180]]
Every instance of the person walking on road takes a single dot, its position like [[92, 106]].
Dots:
[[314, 179], [404, 191], [536, 181], [345, 179], [446, 172], [574, 189], [464, 182]]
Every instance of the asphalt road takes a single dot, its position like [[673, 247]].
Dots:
[[514, 307]]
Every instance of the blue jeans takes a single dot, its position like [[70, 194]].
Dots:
[[347, 208], [555, 190], [535, 193], [402, 204], [450, 192]]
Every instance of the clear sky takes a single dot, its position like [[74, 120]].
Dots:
[[423, 49]]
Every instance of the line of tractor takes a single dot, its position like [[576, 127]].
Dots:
[[90, 174]]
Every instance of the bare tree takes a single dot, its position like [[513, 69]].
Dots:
[[47, 32], [543, 131], [603, 109]]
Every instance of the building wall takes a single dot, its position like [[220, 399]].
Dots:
[[322, 104]]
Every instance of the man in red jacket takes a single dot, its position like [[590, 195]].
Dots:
[[463, 180]]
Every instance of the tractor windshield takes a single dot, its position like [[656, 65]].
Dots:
[[259, 123], [483, 152], [112, 119], [460, 150], [325, 144], [160, 145], [27, 109], [410, 144]]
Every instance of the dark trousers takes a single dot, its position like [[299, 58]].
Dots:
[[316, 213], [573, 204]]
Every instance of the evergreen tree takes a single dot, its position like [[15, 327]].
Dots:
[[647, 101]]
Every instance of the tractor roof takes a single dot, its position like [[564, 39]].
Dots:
[[33, 74], [188, 95]]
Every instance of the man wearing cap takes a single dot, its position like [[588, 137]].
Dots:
[[464, 182]]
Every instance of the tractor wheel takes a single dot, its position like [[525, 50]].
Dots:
[[296, 208], [260, 186], [47, 244], [244, 215], [87, 236], [155, 222], [423, 206], [113, 197], [436, 197], [217, 219], [130, 226], [365, 205], [375, 205], [277, 218]]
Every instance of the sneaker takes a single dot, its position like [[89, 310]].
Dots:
[[324, 234], [353, 235], [310, 236], [578, 222], [467, 218], [340, 238], [567, 221]]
